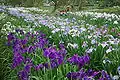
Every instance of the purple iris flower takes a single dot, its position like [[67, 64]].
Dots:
[[41, 43], [27, 60], [105, 76], [38, 67], [86, 78], [10, 37], [20, 46], [46, 65], [17, 60], [72, 75], [73, 59], [41, 66], [80, 61], [27, 68], [62, 46], [82, 75], [86, 58], [46, 52], [24, 41], [23, 75], [56, 56], [76, 75], [53, 64], [63, 52], [52, 50], [31, 49], [16, 42]]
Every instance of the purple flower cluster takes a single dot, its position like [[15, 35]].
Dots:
[[80, 61], [104, 76], [27, 44], [88, 75], [56, 57], [24, 74], [17, 60], [82, 75], [41, 66], [10, 37]]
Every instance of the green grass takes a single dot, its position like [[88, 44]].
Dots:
[[59, 73], [5, 51], [110, 10]]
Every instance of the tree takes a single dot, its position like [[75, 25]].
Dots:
[[58, 3]]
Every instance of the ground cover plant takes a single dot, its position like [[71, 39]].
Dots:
[[77, 46]]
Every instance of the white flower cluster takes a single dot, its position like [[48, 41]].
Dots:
[[2, 16], [117, 77], [97, 15], [72, 26]]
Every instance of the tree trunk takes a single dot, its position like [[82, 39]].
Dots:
[[80, 5], [55, 6]]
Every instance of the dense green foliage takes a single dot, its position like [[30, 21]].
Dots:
[[75, 4], [90, 27]]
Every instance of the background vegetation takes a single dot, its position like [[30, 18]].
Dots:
[[75, 4]]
